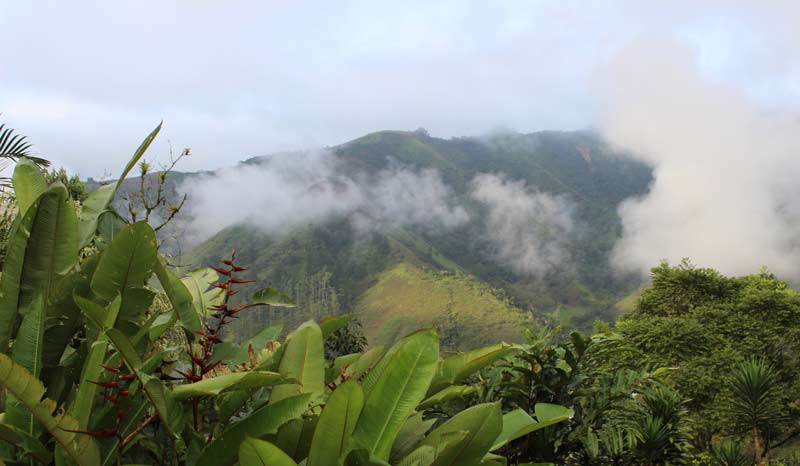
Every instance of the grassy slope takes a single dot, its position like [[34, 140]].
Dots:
[[407, 297]]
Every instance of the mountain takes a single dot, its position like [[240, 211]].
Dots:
[[457, 277]]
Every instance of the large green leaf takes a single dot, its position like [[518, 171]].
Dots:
[[64, 319], [100, 200], [232, 353], [228, 382], [364, 363], [110, 224], [459, 366], [259, 340], [41, 251], [24, 441], [254, 452], [393, 389], [425, 455], [20, 383], [180, 298], [27, 353], [198, 282], [412, 432], [518, 423], [298, 443], [336, 425], [452, 392], [362, 457], [422, 456], [303, 360], [125, 349], [104, 318], [263, 421], [127, 262], [272, 297], [29, 183], [331, 324], [481, 423], [12, 274]]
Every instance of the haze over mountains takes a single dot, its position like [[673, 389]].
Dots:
[[499, 225]]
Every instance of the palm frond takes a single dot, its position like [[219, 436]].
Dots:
[[12, 147]]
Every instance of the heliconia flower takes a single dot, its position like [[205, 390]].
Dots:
[[192, 377], [220, 285], [227, 262], [110, 398], [109, 384], [124, 393], [239, 280], [219, 307], [126, 376], [232, 292], [110, 369], [236, 268], [211, 366], [240, 308], [221, 270]]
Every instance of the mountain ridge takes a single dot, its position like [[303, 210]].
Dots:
[[577, 167]]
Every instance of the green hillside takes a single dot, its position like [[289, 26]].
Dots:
[[466, 312], [578, 166]]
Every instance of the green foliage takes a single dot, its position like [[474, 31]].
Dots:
[[347, 339], [108, 355], [75, 187], [703, 325], [730, 453], [29, 391]]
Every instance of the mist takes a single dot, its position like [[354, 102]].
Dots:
[[528, 229], [725, 167], [290, 190]]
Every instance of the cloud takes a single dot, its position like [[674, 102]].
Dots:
[[725, 168], [290, 190], [528, 229]]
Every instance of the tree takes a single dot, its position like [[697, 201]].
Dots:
[[755, 404], [151, 201], [702, 324], [75, 187]]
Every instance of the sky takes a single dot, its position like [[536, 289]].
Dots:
[[87, 80], [706, 92]]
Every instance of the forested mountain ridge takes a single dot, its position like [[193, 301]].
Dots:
[[702, 370], [575, 166]]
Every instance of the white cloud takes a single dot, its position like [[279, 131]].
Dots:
[[290, 190], [725, 174], [528, 229]]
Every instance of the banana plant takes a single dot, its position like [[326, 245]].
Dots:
[[82, 377], [377, 417]]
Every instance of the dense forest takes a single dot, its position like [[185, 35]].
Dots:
[[113, 352]]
